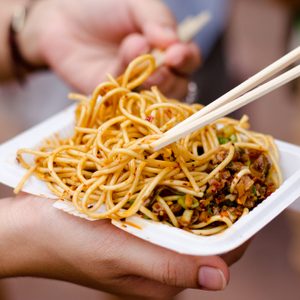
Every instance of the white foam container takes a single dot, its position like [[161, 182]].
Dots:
[[157, 233]]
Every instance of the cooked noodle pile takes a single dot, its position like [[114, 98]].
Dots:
[[202, 183]]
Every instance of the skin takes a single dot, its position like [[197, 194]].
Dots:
[[81, 42], [82, 52], [53, 244]]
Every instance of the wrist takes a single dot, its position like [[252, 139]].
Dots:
[[11, 246], [22, 248]]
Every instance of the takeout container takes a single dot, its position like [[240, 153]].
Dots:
[[160, 234]]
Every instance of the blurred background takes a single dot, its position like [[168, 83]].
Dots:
[[244, 37]]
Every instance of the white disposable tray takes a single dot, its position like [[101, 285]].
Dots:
[[160, 234]]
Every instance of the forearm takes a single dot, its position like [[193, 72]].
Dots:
[[9, 253], [21, 252], [7, 7]]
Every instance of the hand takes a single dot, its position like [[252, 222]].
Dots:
[[84, 40], [39, 240]]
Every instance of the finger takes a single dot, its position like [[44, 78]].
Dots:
[[163, 78], [132, 46], [183, 58], [156, 22], [170, 84], [134, 287], [174, 269], [233, 256], [179, 89]]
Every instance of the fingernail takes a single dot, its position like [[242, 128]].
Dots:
[[212, 279]]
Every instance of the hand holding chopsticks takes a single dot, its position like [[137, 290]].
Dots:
[[236, 98]]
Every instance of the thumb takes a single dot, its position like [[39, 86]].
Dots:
[[155, 21], [177, 270]]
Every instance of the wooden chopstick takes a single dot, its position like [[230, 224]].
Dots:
[[246, 86], [196, 123]]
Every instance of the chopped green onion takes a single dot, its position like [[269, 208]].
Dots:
[[195, 203], [130, 201], [223, 140], [181, 201]]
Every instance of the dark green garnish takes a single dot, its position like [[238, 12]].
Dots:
[[181, 201], [223, 140]]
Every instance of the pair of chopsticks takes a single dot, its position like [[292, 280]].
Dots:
[[245, 93]]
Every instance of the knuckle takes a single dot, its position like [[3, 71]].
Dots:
[[170, 274], [180, 272]]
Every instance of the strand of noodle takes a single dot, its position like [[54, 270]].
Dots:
[[277, 168], [85, 130], [33, 152], [204, 142], [21, 184], [168, 211], [119, 186], [56, 190], [127, 152], [210, 231], [274, 148], [104, 99], [211, 220], [187, 191], [136, 119], [213, 137], [251, 146], [143, 76], [209, 140], [144, 194], [78, 97], [166, 105], [248, 134], [185, 170], [52, 171], [90, 190], [220, 167], [133, 187], [102, 129], [149, 213], [237, 178]]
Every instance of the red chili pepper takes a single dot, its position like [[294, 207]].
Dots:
[[149, 118]]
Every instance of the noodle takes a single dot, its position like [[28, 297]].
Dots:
[[202, 183]]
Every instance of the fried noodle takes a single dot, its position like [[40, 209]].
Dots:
[[202, 183]]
